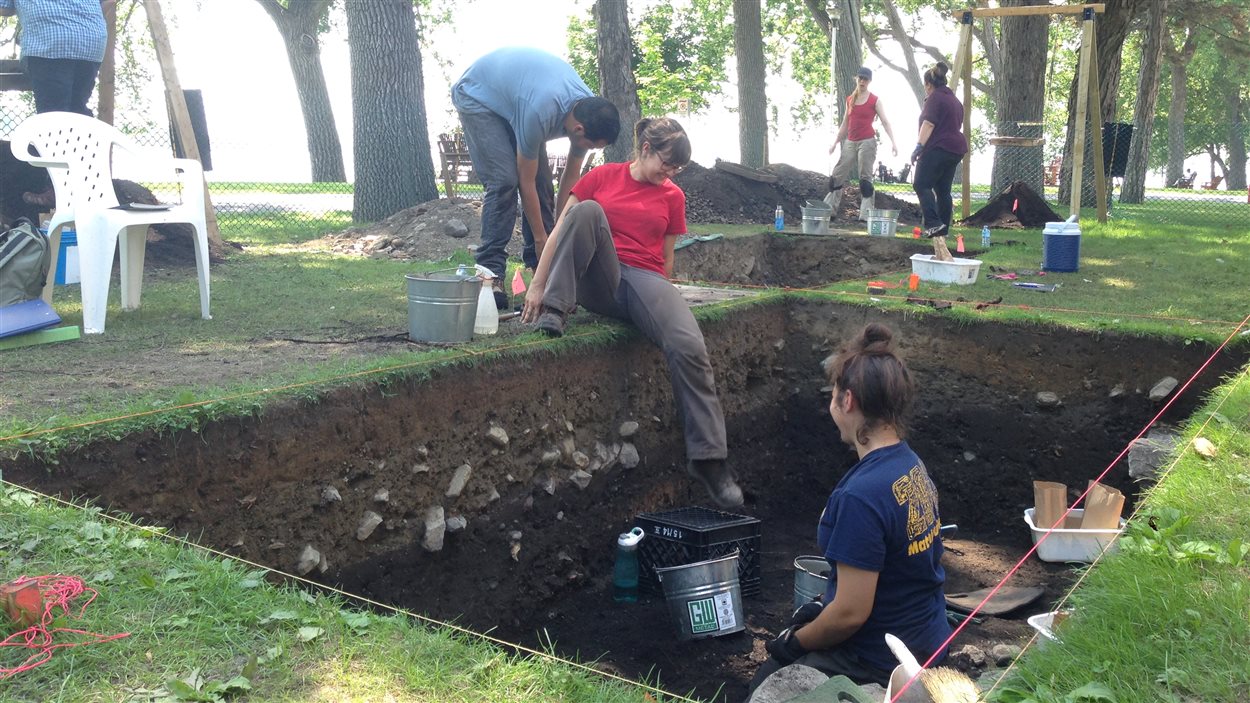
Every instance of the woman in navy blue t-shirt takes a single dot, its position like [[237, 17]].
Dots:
[[879, 531]]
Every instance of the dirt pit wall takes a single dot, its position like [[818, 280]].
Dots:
[[564, 447]]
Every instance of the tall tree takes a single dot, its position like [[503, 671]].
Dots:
[[394, 169], [615, 49], [1148, 78], [1021, 81], [1178, 64], [1111, 29], [752, 102], [299, 23]]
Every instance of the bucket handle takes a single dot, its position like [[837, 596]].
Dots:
[[461, 270]]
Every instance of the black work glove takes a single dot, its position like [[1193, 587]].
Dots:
[[806, 613], [786, 649], [915, 153]]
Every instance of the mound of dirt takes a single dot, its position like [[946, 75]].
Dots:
[[718, 197], [1017, 207], [431, 231]]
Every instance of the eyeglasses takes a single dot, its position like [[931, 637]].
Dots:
[[672, 168]]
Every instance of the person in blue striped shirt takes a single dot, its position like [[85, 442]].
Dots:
[[62, 46]]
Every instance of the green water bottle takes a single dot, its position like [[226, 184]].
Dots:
[[625, 572]]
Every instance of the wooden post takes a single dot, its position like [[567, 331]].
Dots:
[[1082, 100], [178, 105], [966, 185], [108, 73], [1095, 108]]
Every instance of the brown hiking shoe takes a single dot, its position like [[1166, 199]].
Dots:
[[718, 480], [551, 321]]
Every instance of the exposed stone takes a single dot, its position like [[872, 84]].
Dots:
[[435, 529], [629, 455], [1163, 388], [969, 456], [567, 446], [515, 535], [1146, 455], [968, 658], [382, 496], [420, 469], [367, 525], [1047, 399], [547, 483], [329, 495], [580, 460], [458, 480], [455, 228], [423, 451], [788, 683], [498, 436], [457, 523], [492, 494], [628, 429], [580, 478], [560, 515], [568, 425], [1117, 391], [308, 560], [549, 457], [1004, 654]]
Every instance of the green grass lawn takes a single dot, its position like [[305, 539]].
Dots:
[[1166, 619]]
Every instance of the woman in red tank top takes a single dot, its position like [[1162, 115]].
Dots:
[[859, 144]]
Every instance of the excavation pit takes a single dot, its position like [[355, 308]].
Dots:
[[533, 559]]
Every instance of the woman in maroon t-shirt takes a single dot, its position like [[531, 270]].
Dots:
[[611, 251], [939, 149]]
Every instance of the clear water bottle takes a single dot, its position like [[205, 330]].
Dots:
[[625, 572], [779, 218], [985, 237]]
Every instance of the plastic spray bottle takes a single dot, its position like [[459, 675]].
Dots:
[[487, 319], [779, 218], [625, 571], [985, 237]]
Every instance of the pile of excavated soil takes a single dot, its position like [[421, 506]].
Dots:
[[435, 230], [718, 197], [431, 231]]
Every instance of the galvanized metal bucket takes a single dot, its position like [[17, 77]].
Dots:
[[442, 305], [704, 598], [811, 576], [816, 217]]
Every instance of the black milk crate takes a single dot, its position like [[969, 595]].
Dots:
[[690, 535]]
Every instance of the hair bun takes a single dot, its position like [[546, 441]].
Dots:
[[876, 338]]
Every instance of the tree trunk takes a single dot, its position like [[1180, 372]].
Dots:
[[1021, 85], [297, 23], [1144, 109], [1111, 29], [849, 56], [1235, 112], [616, 75], [394, 170], [1178, 62], [752, 103]]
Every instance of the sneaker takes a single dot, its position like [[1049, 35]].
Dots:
[[551, 322], [939, 231], [501, 296], [718, 481]]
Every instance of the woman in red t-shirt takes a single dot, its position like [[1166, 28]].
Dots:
[[611, 251]]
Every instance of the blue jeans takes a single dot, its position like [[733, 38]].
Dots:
[[61, 85], [492, 147], [934, 174]]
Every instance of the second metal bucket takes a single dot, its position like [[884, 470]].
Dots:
[[442, 305], [704, 598], [816, 217], [811, 576]]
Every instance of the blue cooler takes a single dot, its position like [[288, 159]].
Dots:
[[1061, 246], [67, 257]]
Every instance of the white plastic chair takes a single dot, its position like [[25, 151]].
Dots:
[[77, 152]]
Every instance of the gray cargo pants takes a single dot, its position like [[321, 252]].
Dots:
[[585, 271], [862, 153]]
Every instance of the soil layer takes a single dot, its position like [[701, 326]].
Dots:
[[534, 560]]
